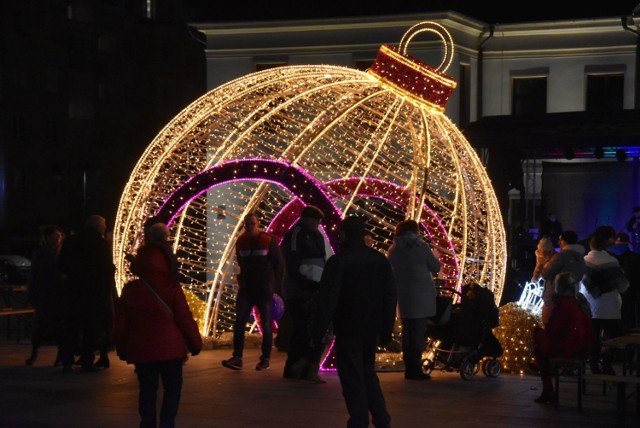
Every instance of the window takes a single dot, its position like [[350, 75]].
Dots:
[[605, 92], [18, 22], [80, 12], [529, 95], [51, 130], [260, 66], [149, 10], [19, 128], [81, 108], [52, 79], [464, 84], [363, 64]]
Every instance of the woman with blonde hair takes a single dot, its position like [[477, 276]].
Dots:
[[567, 335], [544, 252]]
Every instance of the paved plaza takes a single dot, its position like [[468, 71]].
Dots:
[[43, 396]]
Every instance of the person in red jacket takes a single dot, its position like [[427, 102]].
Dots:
[[261, 271], [568, 334], [154, 329]]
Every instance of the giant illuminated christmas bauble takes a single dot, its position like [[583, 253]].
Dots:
[[374, 143]]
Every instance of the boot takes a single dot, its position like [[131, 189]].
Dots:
[[545, 398], [416, 375], [103, 361], [312, 374], [33, 357], [299, 369], [58, 360], [548, 396], [607, 364]]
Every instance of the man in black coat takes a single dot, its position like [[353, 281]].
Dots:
[[358, 295], [630, 264], [303, 248], [87, 267]]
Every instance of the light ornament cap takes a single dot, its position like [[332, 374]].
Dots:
[[421, 82]]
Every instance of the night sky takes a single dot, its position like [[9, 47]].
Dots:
[[492, 12]]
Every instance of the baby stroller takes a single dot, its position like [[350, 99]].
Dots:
[[461, 334]]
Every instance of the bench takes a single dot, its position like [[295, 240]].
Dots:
[[621, 394], [21, 314], [560, 367]]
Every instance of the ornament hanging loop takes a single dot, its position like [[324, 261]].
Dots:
[[433, 27]]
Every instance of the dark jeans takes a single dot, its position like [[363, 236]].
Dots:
[[414, 331], [629, 310], [244, 303], [604, 329], [281, 341], [44, 328], [355, 361], [80, 336], [300, 338], [149, 374]]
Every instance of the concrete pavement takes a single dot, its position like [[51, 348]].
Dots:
[[43, 396]]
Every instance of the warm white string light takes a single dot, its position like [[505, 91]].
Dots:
[[335, 124]]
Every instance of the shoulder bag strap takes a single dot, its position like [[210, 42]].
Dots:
[[158, 296], [186, 343]]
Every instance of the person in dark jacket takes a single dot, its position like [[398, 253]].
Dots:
[[153, 330], [44, 288], [358, 295], [552, 229], [304, 251], [630, 264], [261, 270], [633, 227], [414, 264], [87, 267]]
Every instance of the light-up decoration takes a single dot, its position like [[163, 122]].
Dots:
[[531, 297], [300, 185], [369, 188], [197, 307], [515, 334], [372, 143]]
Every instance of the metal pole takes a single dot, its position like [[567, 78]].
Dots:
[[84, 194]]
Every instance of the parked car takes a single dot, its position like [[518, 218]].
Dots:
[[14, 269]]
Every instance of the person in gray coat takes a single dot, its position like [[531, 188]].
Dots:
[[414, 264], [569, 259]]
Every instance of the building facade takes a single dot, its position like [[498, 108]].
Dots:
[[84, 87], [551, 107]]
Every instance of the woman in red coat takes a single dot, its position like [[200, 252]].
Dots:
[[154, 330], [568, 335]]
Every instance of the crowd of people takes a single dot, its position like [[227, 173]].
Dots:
[[591, 294], [349, 296], [72, 290], [352, 297]]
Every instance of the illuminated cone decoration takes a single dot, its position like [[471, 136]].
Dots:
[[373, 143]]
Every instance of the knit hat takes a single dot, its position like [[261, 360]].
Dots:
[[158, 233], [311, 211]]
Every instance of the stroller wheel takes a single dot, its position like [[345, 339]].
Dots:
[[468, 370], [485, 363], [491, 368], [428, 366]]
